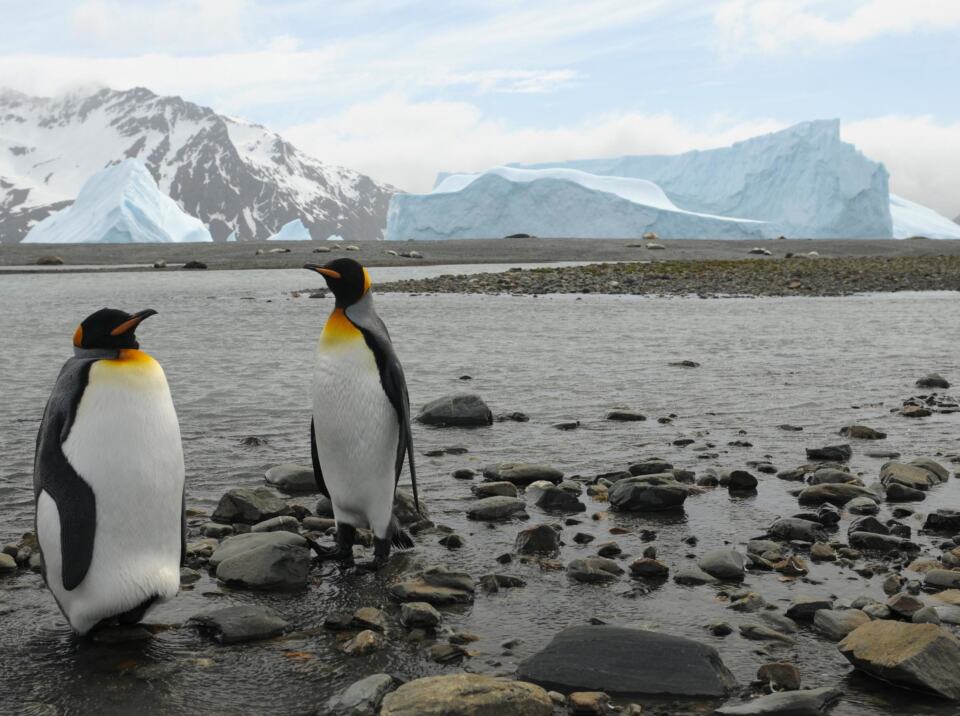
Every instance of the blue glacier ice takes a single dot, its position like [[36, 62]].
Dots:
[[912, 219], [120, 204], [292, 231], [801, 182], [553, 203]]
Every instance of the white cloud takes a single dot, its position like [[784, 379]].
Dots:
[[175, 24], [405, 143], [788, 25], [921, 154]]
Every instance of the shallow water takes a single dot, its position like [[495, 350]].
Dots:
[[237, 351]]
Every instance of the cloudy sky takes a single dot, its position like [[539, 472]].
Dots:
[[401, 89]]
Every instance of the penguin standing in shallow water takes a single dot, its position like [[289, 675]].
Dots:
[[360, 430], [108, 479]]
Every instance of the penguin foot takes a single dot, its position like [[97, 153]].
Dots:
[[372, 565], [342, 551], [381, 553]]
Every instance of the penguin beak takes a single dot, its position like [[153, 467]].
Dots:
[[132, 322], [329, 273]]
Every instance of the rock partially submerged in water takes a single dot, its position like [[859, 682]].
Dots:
[[914, 656], [837, 494], [794, 528], [242, 504], [830, 453], [918, 474], [605, 658], [437, 586], [361, 698], [593, 570], [724, 564], [806, 702], [542, 539], [640, 494], [495, 508], [862, 432], [292, 479], [235, 625], [522, 473], [456, 410], [467, 695], [943, 521], [933, 380], [263, 560]]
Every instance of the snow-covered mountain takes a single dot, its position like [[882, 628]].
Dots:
[[120, 205], [232, 175], [554, 203]]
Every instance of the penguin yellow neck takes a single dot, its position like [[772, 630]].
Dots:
[[132, 358], [338, 329]]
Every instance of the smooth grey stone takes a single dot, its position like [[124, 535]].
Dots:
[[234, 625]]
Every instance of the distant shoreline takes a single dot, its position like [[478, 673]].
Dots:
[[22, 258]]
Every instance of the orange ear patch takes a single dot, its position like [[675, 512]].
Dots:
[[367, 283], [78, 336]]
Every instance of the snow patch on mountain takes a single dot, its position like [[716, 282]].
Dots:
[[118, 205]]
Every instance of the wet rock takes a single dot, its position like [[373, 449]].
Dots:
[[276, 524], [236, 625], [457, 410], [625, 416], [942, 579], [915, 656], [242, 504], [195, 265], [870, 541], [821, 552], [405, 509], [603, 658], [364, 643], [943, 521], [720, 629], [881, 454], [555, 499], [522, 473], [724, 564], [594, 570], [263, 560], [836, 494], [8, 565], [490, 509], [779, 622], [650, 467], [629, 496], [189, 576], [493, 583], [419, 614], [692, 575], [759, 632], [609, 549], [896, 492], [451, 541], [869, 524], [361, 698], [741, 481], [649, 568], [215, 530], [926, 615], [542, 539], [918, 477], [464, 473], [832, 475], [446, 653], [837, 623], [437, 586], [516, 417], [807, 702], [324, 507], [863, 506], [780, 675], [831, 453], [915, 411], [794, 528], [467, 695], [292, 479], [747, 602], [790, 428], [933, 380], [862, 432], [567, 425], [588, 703], [803, 608], [49, 261]]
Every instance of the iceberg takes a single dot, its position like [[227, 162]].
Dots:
[[292, 231], [120, 204], [912, 219], [334, 237], [553, 202]]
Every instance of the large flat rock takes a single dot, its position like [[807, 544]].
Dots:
[[457, 410], [628, 661], [467, 695], [805, 702], [914, 656]]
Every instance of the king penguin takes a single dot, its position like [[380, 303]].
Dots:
[[360, 432], [109, 479]]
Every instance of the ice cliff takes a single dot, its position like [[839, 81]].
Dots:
[[119, 204]]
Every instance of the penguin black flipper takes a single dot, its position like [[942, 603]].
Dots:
[[53, 473], [364, 317], [317, 471], [183, 529]]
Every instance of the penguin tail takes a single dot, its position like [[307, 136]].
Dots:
[[400, 538]]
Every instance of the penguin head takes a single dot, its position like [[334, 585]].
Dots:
[[110, 328], [348, 280]]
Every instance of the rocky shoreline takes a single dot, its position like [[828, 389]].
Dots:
[[257, 541], [798, 275]]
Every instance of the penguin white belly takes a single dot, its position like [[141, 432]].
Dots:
[[356, 430], [125, 443]]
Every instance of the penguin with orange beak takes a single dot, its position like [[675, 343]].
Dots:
[[360, 432], [109, 478]]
